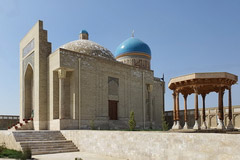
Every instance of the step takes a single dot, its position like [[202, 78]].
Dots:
[[38, 139], [46, 144], [54, 151]]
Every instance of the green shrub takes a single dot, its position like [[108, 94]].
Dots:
[[132, 122], [27, 154], [1, 149], [92, 124], [164, 124]]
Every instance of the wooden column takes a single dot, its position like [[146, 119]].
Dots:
[[177, 106], [177, 126], [230, 124], [220, 109], [174, 109], [174, 106], [185, 112], [196, 125], [220, 104], [204, 125], [203, 109], [196, 106], [230, 104], [185, 107]]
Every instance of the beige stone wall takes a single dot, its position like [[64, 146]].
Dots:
[[7, 139], [88, 90], [157, 145]]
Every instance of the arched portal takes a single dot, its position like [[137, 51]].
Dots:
[[28, 96]]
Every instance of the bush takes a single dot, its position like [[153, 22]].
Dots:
[[92, 124], [132, 122], [164, 124], [1, 149], [27, 154]]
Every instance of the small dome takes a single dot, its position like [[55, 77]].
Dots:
[[132, 45], [88, 47], [84, 31]]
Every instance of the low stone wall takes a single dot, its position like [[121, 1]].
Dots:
[[7, 139], [7, 121], [157, 145], [211, 117]]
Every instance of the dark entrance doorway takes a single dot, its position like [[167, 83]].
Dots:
[[28, 97], [112, 110]]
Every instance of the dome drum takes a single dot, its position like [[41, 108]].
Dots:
[[137, 62], [134, 55]]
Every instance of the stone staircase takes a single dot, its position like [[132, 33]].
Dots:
[[44, 142]]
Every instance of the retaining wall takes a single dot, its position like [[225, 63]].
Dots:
[[7, 139], [157, 145]]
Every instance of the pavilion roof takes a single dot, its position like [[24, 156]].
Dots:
[[204, 82]]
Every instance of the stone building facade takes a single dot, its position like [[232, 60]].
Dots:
[[82, 84]]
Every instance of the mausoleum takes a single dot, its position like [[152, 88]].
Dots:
[[82, 84]]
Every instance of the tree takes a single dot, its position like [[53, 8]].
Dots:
[[132, 122]]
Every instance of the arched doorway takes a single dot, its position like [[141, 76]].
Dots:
[[28, 96]]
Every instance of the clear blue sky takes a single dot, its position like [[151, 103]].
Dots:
[[185, 36]]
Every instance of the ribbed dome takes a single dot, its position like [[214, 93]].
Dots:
[[132, 45], [88, 47]]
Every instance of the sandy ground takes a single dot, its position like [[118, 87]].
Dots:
[[73, 155]]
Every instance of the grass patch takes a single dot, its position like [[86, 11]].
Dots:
[[10, 153]]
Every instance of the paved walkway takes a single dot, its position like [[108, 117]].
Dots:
[[73, 155]]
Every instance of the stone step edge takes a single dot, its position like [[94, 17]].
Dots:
[[42, 138], [57, 141], [58, 146], [55, 145], [55, 151]]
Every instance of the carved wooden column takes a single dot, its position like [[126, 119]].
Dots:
[[178, 126], [204, 125], [220, 109], [230, 125], [196, 125], [61, 76], [174, 110], [185, 111]]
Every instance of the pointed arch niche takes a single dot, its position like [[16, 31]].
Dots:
[[28, 92]]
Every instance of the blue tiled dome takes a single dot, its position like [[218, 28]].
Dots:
[[84, 31], [132, 45]]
